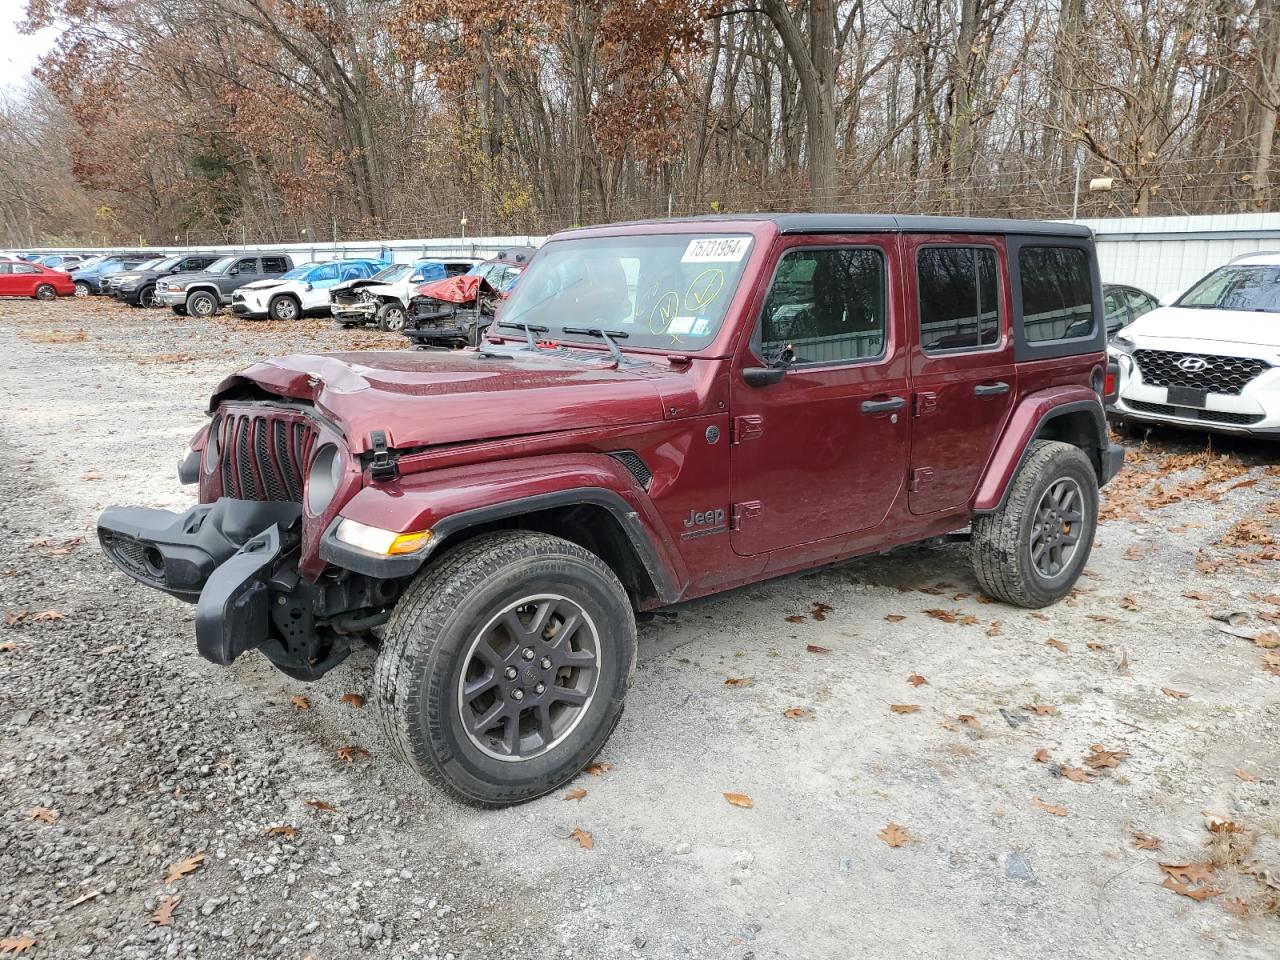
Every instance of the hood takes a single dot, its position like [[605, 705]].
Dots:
[[265, 284], [1222, 326], [461, 289], [362, 282], [190, 276], [424, 398]]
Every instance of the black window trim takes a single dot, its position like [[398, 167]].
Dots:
[[757, 336], [1001, 340], [1024, 349]]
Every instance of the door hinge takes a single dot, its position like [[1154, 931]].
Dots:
[[382, 466], [919, 477], [744, 511], [747, 427], [925, 403]]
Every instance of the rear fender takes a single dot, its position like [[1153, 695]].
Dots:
[[1035, 417], [451, 501]]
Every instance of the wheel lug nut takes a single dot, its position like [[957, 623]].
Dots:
[[540, 687], [517, 694], [510, 673], [527, 653], [545, 663]]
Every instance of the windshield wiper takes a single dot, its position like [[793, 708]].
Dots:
[[529, 330], [604, 335]]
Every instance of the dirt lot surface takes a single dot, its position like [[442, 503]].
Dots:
[[964, 780]]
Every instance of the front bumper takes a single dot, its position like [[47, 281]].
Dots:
[[360, 312], [172, 298], [1252, 411], [242, 306]]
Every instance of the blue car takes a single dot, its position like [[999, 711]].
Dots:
[[303, 290], [89, 280]]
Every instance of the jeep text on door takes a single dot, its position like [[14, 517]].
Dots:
[[661, 411]]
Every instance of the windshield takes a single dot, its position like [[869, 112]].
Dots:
[[1249, 288], [149, 264], [91, 262], [392, 273], [221, 264], [298, 272], [661, 291], [168, 263]]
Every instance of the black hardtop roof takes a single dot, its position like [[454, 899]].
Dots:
[[878, 223]]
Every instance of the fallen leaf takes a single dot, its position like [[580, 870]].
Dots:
[[1271, 662], [8, 646], [1096, 645], [1056, 644], [14, 616], [946, 616], [1197, 595], [740, 800], [1129, 603], [301, 702], [321, 805], [796, 618], [1057, 809], [798, 713], [45, 814], [1102, 757], [283, 830], [1216, 824], [814, 648], [598, 767], [739, 682], [1199, 894], [187, 865], [111, 648], [351, 754], [894, 835], [994, 630], [904, 707], [163, 916], [1041, 756], [354, 699], [1136, 551], [91, 475], [1102, 618], [969, 720], [12, 946], [894, 617], [916, 680], [583, 838], [1176, 694], [820, 611], [575, 794], [1041, 709], [1145, 841], [1245, 775], [49, 615], [1189, 872], [1076, 775]]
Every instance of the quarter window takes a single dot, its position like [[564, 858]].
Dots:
[[274, 265], [959, 298], [1057, 293], [828, 305]]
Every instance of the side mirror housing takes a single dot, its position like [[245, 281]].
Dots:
[[308, 288], [416, 278], [763, 376]]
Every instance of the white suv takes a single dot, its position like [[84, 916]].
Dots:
[[1210, 360]]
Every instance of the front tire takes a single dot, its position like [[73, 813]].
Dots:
[[147, 298], [202, 304], [284, 308], [1030, 552], [391, 317], [46, 291], [82, 289], [504, 666], [179, 311]]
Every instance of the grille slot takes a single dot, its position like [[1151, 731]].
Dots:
[[263, 456], [1189, 413], [635, 464], [1221, 374]]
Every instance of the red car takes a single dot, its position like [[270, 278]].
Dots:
[[21, 279], [660, 411]]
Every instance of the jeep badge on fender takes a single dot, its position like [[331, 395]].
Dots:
[[492, 518]]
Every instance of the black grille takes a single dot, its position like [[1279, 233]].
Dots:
[[131, 555], [1221, 374], [263, 456], [634, 463], [1189, 413]]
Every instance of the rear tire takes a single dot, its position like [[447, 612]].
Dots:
[[1030, 552], [46, 291], [504, 666], [202, 304]]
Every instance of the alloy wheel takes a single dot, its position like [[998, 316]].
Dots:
[[1056, 526]]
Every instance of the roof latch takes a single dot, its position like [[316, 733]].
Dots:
[[383, 465]]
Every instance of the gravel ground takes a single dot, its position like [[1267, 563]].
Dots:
[[122, 753]]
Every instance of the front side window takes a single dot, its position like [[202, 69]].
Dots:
[[827, 305], [658, 291], [1255, 289], [1057, 293], [248, 265], [320, 274], [959, 298]]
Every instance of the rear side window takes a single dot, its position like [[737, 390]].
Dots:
[[1057, 293], [274, 264], [828, 305], [959, 298]]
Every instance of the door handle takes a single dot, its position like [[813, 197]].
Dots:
[[882, 406], [990, 389]]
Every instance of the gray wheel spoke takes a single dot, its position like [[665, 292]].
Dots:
[[487, 719], [478, 686], [511, 732], [569, 695]]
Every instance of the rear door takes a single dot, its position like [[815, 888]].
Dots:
[[8, 283], [962, 369], [822, 453], [25, 278]]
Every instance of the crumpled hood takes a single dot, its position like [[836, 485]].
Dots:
[[424, 398], [1227, 326]]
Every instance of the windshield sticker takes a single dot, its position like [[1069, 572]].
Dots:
[[680, 325], [666, 307], [705, 287], [716, 250], [701, 326]]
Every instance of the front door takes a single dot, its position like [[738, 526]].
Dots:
[[8, 284], [821, 453], [962, 371]]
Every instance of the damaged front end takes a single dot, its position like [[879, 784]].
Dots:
[[247, 555]]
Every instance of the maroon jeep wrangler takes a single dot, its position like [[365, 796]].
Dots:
[[661, 411]]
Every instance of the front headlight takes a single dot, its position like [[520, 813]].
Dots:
[[386, 543], [323, 478]]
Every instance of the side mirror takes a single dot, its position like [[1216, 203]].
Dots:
[[308, 288], [773, 373], [233, 272], [416, 278]]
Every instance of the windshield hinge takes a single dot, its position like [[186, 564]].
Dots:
[[383, 465]]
